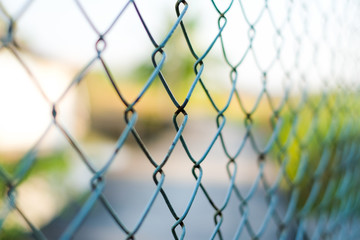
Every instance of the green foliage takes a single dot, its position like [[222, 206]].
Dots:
[[44, 164], [319, 147], [52, 167], [14, 233]]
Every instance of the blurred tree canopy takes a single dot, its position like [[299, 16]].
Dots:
[[178, 68]]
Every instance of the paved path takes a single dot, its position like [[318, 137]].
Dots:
[[129, 198], [129, 187]]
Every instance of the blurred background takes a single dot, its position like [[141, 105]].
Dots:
[[278, 95]]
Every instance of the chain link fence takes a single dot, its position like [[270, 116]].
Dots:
[[285, 72]]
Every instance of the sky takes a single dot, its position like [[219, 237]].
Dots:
[[58, 30]]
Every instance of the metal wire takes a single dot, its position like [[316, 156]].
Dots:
[[324, 201]]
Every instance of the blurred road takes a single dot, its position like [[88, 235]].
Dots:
[[129, 198], [129, 186]]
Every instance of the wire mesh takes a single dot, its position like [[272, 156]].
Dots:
[[310, 129]]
